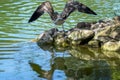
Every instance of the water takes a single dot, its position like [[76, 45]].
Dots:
[[21, 59]]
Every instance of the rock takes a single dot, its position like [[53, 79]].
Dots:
[[84, 25], [47, 37], [61, 40], [105, 33], [108, 33], [115, 32], [80, 36], [111, 46], [116, 18], [101, 24], [94, 43]]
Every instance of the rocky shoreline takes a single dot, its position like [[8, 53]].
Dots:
[[104, 34]]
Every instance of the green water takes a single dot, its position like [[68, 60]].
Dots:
[[21, 59]]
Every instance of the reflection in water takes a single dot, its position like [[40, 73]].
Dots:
[[99, 70], [56, 71], [87, 63], [21, 60]]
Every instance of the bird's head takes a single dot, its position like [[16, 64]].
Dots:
[[59, 20]]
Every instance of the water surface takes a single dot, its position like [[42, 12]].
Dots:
[[21, 59]]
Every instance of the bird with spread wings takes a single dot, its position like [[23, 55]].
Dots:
[[59, 18]]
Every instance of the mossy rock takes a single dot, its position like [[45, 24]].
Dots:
[[111, 46]]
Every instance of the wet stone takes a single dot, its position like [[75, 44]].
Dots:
[[101, 34], [111, 46], [81, 36], [94, 43], [47, 36]]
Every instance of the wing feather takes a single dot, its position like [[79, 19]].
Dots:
[[71, 6], [83, 8], [44, 7]]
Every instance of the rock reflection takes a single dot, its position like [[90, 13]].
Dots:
[[84, 63], [88, 70]]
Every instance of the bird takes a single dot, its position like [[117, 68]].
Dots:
[[59, 18]]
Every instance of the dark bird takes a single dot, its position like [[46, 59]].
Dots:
[[57, 18]]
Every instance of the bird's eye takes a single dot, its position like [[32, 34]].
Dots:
[[63, 15]]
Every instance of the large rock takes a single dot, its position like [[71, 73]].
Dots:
[[103, 33], [80, 36], [107, 30], [111, 46], [108, 33]]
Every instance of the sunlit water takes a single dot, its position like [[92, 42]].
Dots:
[[21, 59]]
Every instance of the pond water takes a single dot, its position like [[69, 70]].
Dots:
[[22, 59]]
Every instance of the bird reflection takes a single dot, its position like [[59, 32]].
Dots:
[[57, 65]]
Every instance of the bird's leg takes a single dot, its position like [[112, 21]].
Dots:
[[63, 28], [55, 30]]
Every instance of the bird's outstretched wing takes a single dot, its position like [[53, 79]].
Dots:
[[71, 6], [44, 7]]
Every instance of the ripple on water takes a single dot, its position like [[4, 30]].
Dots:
[[15, 33]]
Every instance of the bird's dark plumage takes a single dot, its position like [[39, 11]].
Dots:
[[44, 7], [59, 19]]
